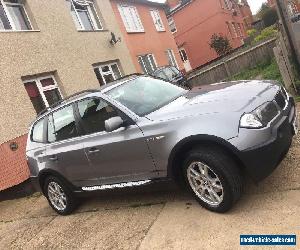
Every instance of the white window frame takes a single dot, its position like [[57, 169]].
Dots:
[[45, 89], [234, 30], [157, 20], [152, 66], [91, 16], [172, 58], [181, 56], [239, 30], [135, 19], [171, 22], [228, 4], [110, 72], [10, 20]]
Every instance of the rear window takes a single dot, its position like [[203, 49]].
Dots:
[[38, 132]]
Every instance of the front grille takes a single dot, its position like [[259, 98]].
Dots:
[[280, 99]]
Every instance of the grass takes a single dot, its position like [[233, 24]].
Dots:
[[267, 70]]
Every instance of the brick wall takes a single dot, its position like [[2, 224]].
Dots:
[[13, 166]]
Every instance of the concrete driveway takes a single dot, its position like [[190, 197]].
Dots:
[[157, 217]]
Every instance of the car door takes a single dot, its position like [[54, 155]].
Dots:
[[65, 152], [118, 156]]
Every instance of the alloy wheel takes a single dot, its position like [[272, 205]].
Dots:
[[205, 183]]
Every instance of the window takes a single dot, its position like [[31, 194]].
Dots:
[[38, 131], [84, 15], [147, 63], [228, 4], [157, 20], [239, 30], [43, 92], [234, 30], [171, 58], [183, 55], [13, 15], [172, 24], [62, 125], [107, 73], [229, 29], [171, 73], [131, 18], [94, 113]]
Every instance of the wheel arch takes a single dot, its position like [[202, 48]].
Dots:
[[49, 172], [180, 150]]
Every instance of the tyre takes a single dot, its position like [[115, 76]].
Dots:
[[213, 177], [59, 196]]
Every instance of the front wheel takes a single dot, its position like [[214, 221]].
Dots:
[[60, 198], [213, 177]]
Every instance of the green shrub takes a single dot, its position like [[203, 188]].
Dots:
[[266, 34]]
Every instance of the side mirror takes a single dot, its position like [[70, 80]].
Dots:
[[113, 123]]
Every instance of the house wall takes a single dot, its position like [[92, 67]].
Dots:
[[54, 46], [150, 41], [197, 22]]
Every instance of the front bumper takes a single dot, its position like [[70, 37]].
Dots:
[[261, 160]]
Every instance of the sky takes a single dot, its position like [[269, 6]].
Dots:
[[254, 4]]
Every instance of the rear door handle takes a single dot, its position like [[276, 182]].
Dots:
[[53, 158], [94, 150]]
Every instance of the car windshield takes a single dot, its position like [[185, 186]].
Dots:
[[144, 95]]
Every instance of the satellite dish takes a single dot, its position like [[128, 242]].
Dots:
[[114, 39]]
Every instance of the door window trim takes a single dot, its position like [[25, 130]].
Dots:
[[79, 130], [124, 116]]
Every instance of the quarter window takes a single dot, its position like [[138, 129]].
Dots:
[[157, 20], [172, 24], [63, 125], [147, 63], [13, 16], [131, 18], [171, 58], [94, 113], [107, 73], [43, 92], [84, 15]]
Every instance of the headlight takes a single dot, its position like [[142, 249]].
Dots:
[[260, 117]]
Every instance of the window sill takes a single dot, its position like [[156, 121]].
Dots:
[[18, 31], [135, 32], [161, 31], [104, 30]]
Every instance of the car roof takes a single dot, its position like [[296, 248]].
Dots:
[[86, 93]]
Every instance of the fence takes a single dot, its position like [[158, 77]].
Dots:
[[228, 67]]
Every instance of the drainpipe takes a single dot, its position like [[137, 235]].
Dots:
[[280, 11]]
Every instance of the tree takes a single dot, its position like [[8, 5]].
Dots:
[[268, 15], [220, 44]]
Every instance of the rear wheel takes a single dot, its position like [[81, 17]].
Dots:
[[60, 198], [213, 177]]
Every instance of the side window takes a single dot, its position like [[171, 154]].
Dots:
[[94, 113], [51, 130], [38, 131], [64, 126]]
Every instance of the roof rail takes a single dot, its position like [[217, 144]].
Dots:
[[67, 98], [82, 92]]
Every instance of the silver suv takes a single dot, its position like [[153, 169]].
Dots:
[[140, 129]]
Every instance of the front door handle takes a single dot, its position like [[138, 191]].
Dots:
[[53, 158], [93, 150]]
